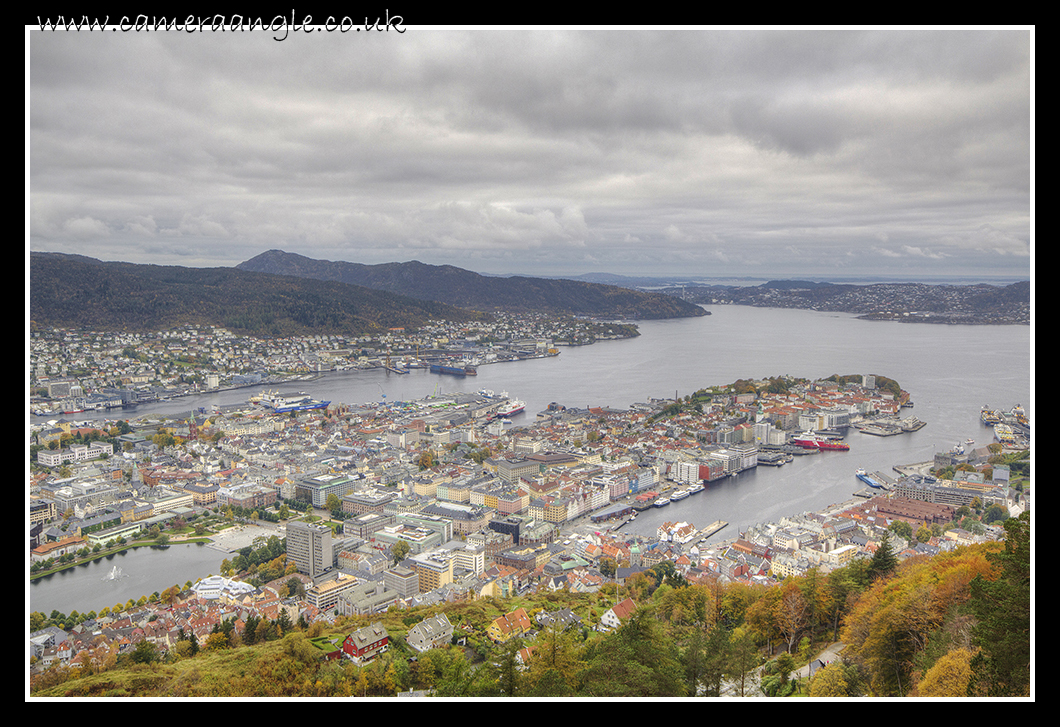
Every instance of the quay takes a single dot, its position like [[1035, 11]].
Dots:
[[711, 529]]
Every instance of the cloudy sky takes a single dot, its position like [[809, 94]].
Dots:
[[827, 153]]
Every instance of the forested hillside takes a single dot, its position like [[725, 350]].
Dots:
[[81, 292], [459, 287], [957, 624]]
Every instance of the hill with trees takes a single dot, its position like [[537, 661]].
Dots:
[[955, 625], [466, 289], [73, 291]]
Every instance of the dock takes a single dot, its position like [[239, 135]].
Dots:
[[711, 529]]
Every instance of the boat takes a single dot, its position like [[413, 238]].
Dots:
[[679, 495], [876, 480], [510, 408], [695, 488], [662, 502], [868, 479], [988, 416], [812, 442], [454, 370], [284, 403]]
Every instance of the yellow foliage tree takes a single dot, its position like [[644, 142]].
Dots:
[[829, 682], [949, 676]]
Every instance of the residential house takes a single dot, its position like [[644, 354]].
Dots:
[[366, 643], [514, 624], [617, 614], [430, 633]]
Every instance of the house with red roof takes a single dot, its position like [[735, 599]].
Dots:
[[617, 614]]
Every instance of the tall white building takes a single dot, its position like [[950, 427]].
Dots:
[[309, 547]]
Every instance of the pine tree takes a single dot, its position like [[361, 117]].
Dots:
[[884, 561]]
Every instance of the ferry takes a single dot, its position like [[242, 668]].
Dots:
[[695, 488], [283, 403], [662, 502], [679, 495], [510, 408]]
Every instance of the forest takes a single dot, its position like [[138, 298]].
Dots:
[[954, 625]]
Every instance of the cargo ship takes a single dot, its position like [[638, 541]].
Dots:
[[283, 403], [454, 370], [811, 442]]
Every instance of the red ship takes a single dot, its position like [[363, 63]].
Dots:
[[810, 442]]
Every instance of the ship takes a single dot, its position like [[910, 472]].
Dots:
[[284, 403], [876, 480], [695, 488], [662, 502], [812, 442], [988, 416], [680, 495], [510, 408], [454, 370], [868, 479]]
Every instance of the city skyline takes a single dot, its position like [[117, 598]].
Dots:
[[701, 152]]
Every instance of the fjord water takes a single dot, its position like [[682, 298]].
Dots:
[[950, 371]]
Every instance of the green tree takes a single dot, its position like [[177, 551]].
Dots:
[[883, 561], [902, 529], [297, 646], [145, 653], [775, 682], [554, 663], [717, 650], [636, 660], [1002, 607], [505, 667], [333, 503], [400, 550], [742, 658]]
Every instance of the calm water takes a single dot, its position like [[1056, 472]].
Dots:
[[141, 572], [950, 371]]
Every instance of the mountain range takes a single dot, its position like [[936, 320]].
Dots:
[[466, 289], [281, 294], [82, 292]]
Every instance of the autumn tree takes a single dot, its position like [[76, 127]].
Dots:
[[762, 617], [949, 677], [792, 613], [829, 682]]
